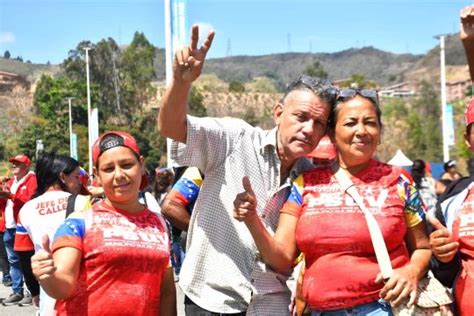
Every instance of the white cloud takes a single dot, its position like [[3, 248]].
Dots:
[[7, 37]]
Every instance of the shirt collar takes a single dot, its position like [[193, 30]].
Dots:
[[270, 139]]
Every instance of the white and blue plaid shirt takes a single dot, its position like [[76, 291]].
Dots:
[[223, 271]]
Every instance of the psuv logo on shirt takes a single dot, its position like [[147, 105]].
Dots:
[[151, 238], [374, 198], [466, 220]]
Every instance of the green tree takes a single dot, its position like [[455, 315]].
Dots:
[[195, 103], [7, 54], [316, 69], [424, 121], [123, 77], [236, 86], [53, 134], [358, 81], [469, 91], [251, 117], [2, 152], [137, 72]]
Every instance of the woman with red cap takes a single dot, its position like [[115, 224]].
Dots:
[[114, 258]]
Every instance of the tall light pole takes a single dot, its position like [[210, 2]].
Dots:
[[70, 125], [89, 132], [443, 98], [169, 64], [175, 33]]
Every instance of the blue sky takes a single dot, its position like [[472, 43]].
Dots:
[[45, 30]]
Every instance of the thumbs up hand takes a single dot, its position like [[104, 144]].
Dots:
[[245, 203], [442, 244], [42, 262]]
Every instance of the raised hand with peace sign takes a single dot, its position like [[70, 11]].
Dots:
[[189, 60], [187, 67]]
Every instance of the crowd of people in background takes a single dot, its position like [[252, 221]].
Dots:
[[243, 209]]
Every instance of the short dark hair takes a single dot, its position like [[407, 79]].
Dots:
[[418, 172], [320, 87]]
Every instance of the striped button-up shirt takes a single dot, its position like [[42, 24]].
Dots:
[[223, 271]]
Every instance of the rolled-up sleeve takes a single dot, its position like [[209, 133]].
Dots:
[[209, 141]]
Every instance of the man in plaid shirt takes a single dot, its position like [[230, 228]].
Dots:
[[223, 272]]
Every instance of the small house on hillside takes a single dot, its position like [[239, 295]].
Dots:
[[399, 90], [456, 90], [8, 78]]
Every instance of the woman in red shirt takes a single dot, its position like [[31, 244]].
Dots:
[[113, 259], [322, 221]]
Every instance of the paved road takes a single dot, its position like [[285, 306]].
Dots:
[[31, 311], [13, 310]]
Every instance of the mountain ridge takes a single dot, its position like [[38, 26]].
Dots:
[[375, 64]]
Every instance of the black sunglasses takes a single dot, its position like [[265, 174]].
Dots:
[[372, 95]]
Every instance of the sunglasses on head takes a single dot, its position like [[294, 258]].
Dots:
[[318, 85], [366, 93]]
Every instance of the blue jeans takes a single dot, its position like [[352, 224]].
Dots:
[[377, 308], [4, 265], [177, 255], [14, 260]]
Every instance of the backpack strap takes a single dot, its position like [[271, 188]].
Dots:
[[71, 203]]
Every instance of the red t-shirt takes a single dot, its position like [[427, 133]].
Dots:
[[24, 192], [332, 232], [124, 257], [463, 232]]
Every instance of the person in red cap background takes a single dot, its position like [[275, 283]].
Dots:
[[114, 258], [16, 192], [452, 242]]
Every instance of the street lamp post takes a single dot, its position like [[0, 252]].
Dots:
[[89, 132], [70, 126], [443, 98]]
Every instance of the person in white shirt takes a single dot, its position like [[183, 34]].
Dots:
[[58, 178]]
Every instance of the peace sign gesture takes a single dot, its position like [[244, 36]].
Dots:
[[189, 60], [467, 22]]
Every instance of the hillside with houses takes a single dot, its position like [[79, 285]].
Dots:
[[249, 86]]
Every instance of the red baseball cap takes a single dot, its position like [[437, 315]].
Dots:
[[325, 149], [469, 112], [113, 139], [21, 158], [84, 178]]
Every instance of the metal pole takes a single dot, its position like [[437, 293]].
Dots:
[[443, 100], [89, 132], [169, 64], [70, 126]]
